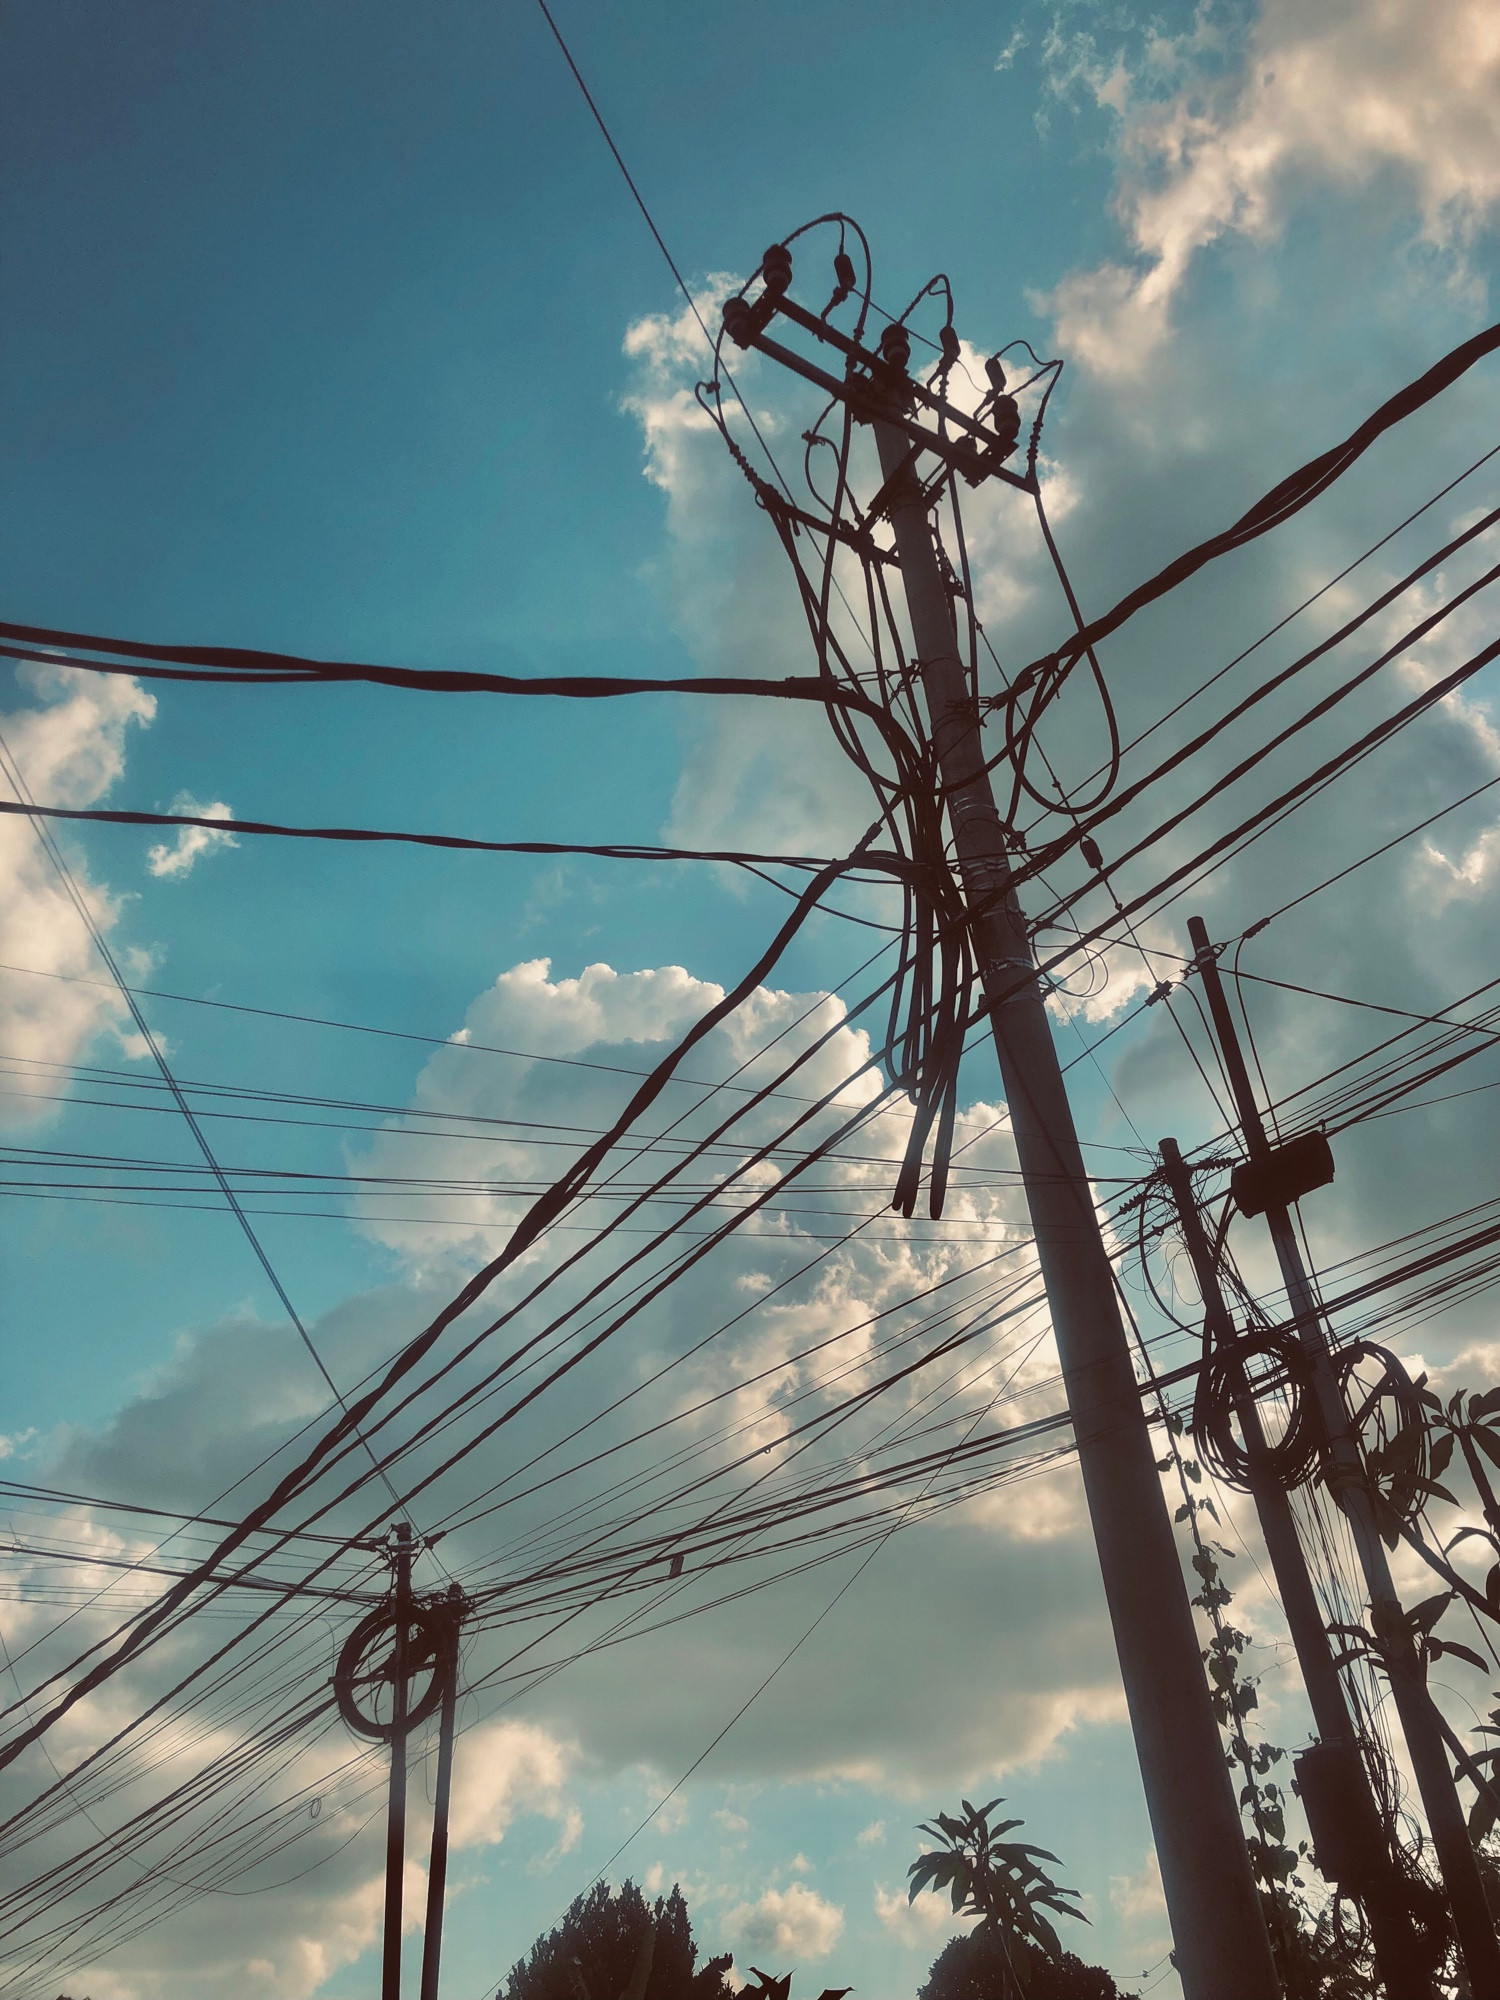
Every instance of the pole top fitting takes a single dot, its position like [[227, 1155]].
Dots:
[[895, 346]]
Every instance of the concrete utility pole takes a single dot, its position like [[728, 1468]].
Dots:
[[395, 1826], [1346, 1478], [446, 1665], [1353, 1851], [1222, 1950]]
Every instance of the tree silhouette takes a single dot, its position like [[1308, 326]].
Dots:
[[593, 1953], [977, 1968], [1013, 1953]]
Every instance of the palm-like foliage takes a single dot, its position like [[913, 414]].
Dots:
[[1000, 1881], [1476, 1431]]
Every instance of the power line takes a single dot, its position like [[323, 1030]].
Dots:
[[80, 905]]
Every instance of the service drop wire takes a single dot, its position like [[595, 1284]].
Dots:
[[762, 1152], [526, 1233], [546, 1209], [257, 1519], [51, 645], [764, 1092], [1054, 849], [1284, 500]]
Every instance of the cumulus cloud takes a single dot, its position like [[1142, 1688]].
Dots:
[[781, 787], [1140, 1895], [1140, 1907], [793, 1923], [175, 859], [70, 748], [508, 1766], [1220, 138], [921, 1920], [875, 1699]]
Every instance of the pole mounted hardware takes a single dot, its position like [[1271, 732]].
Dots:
[[1338, 1794], [362, 1676], [1349, 1843], [1284, 1175], [1363, 1506], [876, 385], [398, 1667]]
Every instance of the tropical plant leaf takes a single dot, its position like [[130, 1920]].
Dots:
[[1422, 1617], [1464, 1653]]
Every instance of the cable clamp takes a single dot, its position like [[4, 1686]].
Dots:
[[993, 967]]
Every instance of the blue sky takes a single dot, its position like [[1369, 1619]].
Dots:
[[334, 329]]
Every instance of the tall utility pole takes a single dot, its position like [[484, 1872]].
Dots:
[[395, 1826], [1353, 1850], [1346, 1477], [437, 1871], [1221, 1945]]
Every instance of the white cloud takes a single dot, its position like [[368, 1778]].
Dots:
[[175, 859], [731, 594], [1218, 140], [872, 1698], [1139, 1897], [70, 749], [871, 1835], [509, 1767], [920, 1920], [793, 1923]]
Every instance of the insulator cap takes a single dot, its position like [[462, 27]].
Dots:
[[895, 347], [776, 269], [739, 321], [1006, 419], [996, 373], [843, 270], [948, 341]]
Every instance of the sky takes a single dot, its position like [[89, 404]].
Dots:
[[335, 329]]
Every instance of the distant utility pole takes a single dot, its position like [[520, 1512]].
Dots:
[[1346, 1478], [1221, 1947], [395, 1825], [424, 1638], [1349, 1839]]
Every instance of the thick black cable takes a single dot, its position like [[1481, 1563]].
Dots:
[[1284, 500], [542, 1212], [617, 851]]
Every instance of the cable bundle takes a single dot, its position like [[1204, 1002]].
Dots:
[[1225, 1384]]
